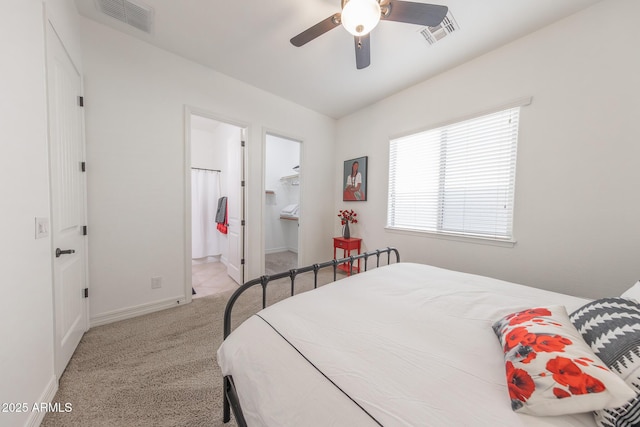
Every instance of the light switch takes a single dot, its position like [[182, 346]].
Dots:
[[42, 227]]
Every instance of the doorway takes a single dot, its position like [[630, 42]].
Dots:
[[216, 193], [282, 178]]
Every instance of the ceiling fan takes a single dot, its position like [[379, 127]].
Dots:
[[359, 17]]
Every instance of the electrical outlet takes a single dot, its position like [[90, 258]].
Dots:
[[156, 282]]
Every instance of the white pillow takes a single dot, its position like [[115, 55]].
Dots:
[[551, 370], [633, 292]]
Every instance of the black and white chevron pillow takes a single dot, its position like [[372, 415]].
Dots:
[[611, 326]]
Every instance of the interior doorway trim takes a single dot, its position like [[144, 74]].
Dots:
[[284, 135], [188, 112]]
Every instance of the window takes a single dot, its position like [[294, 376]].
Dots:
[[457, 179]]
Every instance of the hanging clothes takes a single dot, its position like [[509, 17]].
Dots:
[[221, 216], [221, 211]]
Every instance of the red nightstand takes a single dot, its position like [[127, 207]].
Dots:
[[347, 245]]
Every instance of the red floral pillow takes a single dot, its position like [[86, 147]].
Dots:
[[550, 369]]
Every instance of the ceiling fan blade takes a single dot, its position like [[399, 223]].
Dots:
[[317, 30], [363, 51], [428, 15]]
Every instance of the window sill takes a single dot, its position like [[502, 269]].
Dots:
[[504, 243]]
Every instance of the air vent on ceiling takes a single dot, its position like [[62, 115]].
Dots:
[[134, 14], [435, 34]]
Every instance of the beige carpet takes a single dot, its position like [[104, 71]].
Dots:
[[280, 261], [155, 370]]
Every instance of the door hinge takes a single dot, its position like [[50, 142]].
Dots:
[[85, 292], [242, 261], [242, 143], [81, 101], [84, 230], [83, 166], [242, 223], [241, 183]]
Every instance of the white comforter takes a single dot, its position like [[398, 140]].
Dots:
[[402, 345]]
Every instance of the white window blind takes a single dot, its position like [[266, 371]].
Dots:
[[456, 179]]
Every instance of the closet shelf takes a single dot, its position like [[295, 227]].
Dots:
[[284, 178]]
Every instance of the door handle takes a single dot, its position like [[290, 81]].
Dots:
[[65, 252]]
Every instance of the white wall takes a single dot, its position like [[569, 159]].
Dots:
[[26, 306], [135, 99], [577, 204], [207, 151], [281, 156]]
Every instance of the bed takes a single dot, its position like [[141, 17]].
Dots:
[[403, 344]]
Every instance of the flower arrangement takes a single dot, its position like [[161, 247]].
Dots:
[[347, 216]]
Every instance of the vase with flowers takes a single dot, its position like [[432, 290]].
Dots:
[[346, 217]]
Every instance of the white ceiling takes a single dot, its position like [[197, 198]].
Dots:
[[249, 41]]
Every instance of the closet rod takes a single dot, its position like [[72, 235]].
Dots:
[[210, 170]]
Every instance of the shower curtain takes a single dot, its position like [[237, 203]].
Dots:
[[205, 191]]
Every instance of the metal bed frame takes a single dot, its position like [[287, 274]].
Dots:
[[230, 394]]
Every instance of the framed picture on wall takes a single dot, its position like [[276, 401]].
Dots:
[[355, 180]]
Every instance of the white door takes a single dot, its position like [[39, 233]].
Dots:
[[66, 154], [235, 210]]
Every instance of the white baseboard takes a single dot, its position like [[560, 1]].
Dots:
[[206, 260], [139, 310], [275, 250], [278, 250], [36, 417]]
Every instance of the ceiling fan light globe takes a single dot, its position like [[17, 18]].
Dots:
[[359, 17]]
